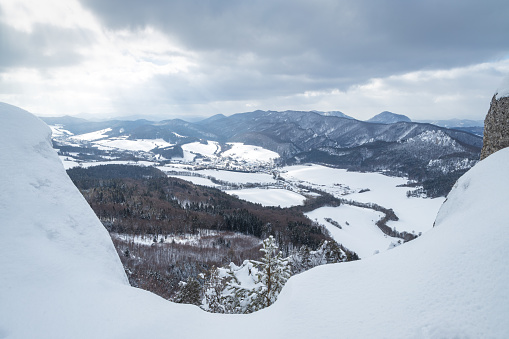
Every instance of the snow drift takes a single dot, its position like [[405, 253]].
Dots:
[[61, 278]]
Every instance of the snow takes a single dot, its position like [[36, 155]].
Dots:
[[358, 231], [61, 277], [58, 131], [238, 152], [85, 164], [415, 214], [190, 239], [210, 149], [269, 196], [438, 138], [239, 177], [143, 145], [101, 134], [195, 180], [249, 153]]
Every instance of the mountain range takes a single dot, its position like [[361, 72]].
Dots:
[[388, 142]]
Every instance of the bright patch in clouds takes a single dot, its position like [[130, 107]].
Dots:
[[112, 64]]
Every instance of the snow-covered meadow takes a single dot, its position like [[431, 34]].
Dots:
[[269, 196], [358, 231], [415, 214]]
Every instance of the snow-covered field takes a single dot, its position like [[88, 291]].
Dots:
[[62, 278], [251, 153], [59, 131], [415, 214], [358, 231], [72, 163], [123, 143], [239, 177], [237, 151], [101, 134], [269, 196], [196, 180], [210, 149]]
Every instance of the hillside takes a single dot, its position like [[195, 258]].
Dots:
[[61, 277]]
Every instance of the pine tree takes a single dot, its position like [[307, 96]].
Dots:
[[237, 298], [305, 256], [213, 300], [273, 272], [333, 253], [189, 292]]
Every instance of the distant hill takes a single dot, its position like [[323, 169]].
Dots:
[[389, 118], [334, 114], [455, 123]]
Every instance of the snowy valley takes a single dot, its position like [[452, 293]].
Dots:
[[256, 174], [448, 282]]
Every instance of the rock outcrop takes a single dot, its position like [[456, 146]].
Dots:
[[496, 126]]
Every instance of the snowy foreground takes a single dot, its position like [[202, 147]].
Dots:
[[61, 278]]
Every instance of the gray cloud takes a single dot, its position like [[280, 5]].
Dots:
[[258, 53], [331, 38], [46, 46]]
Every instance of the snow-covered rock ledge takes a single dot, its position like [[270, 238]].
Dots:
[[60, 276]]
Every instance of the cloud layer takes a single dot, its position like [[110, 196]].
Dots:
[[426, 59]]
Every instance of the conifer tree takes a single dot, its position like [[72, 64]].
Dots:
[[189, 292], [273, 272], [237, 298], [213, 300]]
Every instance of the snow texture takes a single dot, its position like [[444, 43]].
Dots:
[[97, 135], [269, 197], [123, 143], [415, 214], [358, 231], [61, 278], [249, 153]]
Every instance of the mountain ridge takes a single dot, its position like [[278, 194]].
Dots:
[[299, 136]]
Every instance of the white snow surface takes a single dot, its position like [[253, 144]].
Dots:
[[269, 196], [61, 278], [415, 214], [196, 180], [59, 131], [241, 151], [239, 177], [143, 145], [358, 231], [97, 135], [210, 149]]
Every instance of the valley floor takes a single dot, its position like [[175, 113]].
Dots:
[[288, 186]]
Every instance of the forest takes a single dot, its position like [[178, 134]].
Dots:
[[148, 214]]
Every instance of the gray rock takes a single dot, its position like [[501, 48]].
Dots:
[[496, 127]]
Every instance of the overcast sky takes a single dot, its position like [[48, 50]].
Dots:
[[161, 58]]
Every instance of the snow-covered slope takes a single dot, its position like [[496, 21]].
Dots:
[[60, 277]]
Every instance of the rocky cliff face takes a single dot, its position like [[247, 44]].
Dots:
[[496, 126]]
